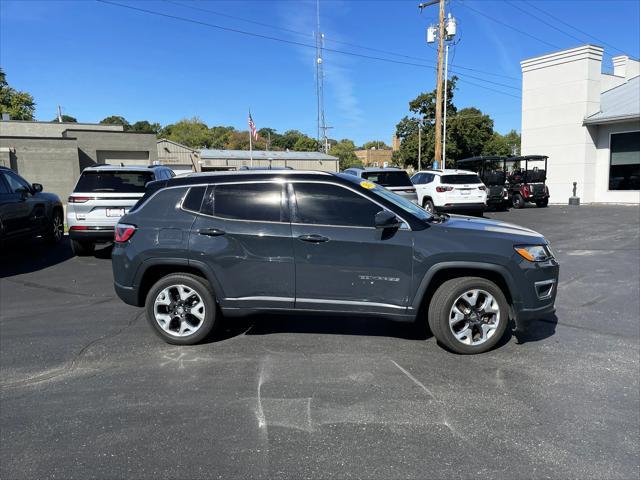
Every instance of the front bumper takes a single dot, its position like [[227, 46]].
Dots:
[[539, 288]]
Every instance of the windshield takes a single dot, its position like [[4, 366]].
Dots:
[[403, 204], [119, 182], [460, 179], [398, 178]]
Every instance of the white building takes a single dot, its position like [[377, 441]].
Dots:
[[586, 121]]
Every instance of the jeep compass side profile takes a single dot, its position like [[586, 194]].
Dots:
[[233, 243]]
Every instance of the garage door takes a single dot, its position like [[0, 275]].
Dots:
[[126, 157]]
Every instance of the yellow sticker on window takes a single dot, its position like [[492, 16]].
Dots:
[[367, 185]]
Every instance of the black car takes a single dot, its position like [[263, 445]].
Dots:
[[26, 211], [233, 243]]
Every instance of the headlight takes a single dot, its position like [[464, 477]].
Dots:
[[534, 253]]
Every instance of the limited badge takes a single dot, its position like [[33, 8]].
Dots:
[[367, 185]]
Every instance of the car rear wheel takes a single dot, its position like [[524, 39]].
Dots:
[[517, 201], [55, 230], [81, 248], [428, 206], [181, 309], [468, 315]]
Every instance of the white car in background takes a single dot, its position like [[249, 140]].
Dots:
[[450, 190], [103, 194]]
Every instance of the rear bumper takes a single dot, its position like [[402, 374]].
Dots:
[[94, 234], [128, 295], [462, 207]]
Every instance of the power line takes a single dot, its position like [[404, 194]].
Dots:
[[329, 39], [574, 28], [509, 26], [293, 42]]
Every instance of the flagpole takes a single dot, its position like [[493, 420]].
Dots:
[[250, 149]]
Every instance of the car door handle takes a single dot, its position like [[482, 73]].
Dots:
[[211, 232], [313, 238]]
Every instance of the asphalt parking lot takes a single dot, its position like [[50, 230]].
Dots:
[[88, 390]]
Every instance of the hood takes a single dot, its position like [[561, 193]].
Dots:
[[492, 226], [51, 197]]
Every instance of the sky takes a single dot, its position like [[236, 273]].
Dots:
[[97, 59]]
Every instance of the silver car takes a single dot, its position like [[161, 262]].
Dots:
[[103, 194], [394, 179]]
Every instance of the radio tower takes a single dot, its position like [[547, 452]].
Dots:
[[322, 127]]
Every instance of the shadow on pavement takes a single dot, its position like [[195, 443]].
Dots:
[[319, 324], [536, 330], [31, 256]]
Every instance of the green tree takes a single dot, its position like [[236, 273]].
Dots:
[[305, 144], [504, 145], [345, 151], [192, 132], [220, 136], [467, 134], [116, 120], [144, 126], [377, 144], [19, 105], [66, 119]]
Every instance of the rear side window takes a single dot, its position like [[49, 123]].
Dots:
[[327, 204], [460, 179], [389, 179], [261, 202], [119, 182]]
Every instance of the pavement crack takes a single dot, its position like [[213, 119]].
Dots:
[[72, 364]]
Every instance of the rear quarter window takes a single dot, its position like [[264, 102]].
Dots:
[[117, 182]]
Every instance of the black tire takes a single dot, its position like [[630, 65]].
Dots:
[[82, 249], [517, 201], [55, 229], [427, 204], [440, 311], [202, 289], [542, 203]]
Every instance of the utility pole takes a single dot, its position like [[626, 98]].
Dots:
[[446, 30], [322, 127], [419, 144]]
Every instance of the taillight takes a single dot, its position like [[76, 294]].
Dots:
[[124, 232], [443, 189], [73, 199], [482, 187]]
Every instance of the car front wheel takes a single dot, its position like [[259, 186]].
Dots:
[[468, 315], [55, 229], [181, 309]]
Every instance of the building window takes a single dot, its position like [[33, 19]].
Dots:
[[624, 169]]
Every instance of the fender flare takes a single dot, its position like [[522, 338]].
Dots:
[[490, 267]]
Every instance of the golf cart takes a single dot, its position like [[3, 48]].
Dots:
[[527, 184], [492, 172]]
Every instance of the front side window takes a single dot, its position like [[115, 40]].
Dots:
[[114, 181], [419, 178], [329, 204], [624, 169], [16, 184], [261, 202]]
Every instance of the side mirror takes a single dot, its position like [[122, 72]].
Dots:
[[37, 187], [386, 219]]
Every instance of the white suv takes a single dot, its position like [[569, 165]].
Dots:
[[450, 190], [103, 194]]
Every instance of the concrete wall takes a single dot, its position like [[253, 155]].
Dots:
[[558, 91], [602, 133], [371, 157], [22, 128], [53, 162], [170, 153], [129, 145]]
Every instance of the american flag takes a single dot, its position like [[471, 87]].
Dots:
[[252, 127]]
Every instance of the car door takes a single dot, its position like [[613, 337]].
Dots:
[[343, 262], [244, 235], [19, 210]]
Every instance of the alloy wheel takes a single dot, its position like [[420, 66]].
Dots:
[[57, 227], [474, 317], [179, 310]]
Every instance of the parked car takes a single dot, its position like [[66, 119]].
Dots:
[[450, 191], [492, 171], [232, 243], [26, 211], [526, 180], [103, 194], [394, 179]]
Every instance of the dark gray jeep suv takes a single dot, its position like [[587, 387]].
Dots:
[[233, 243]]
